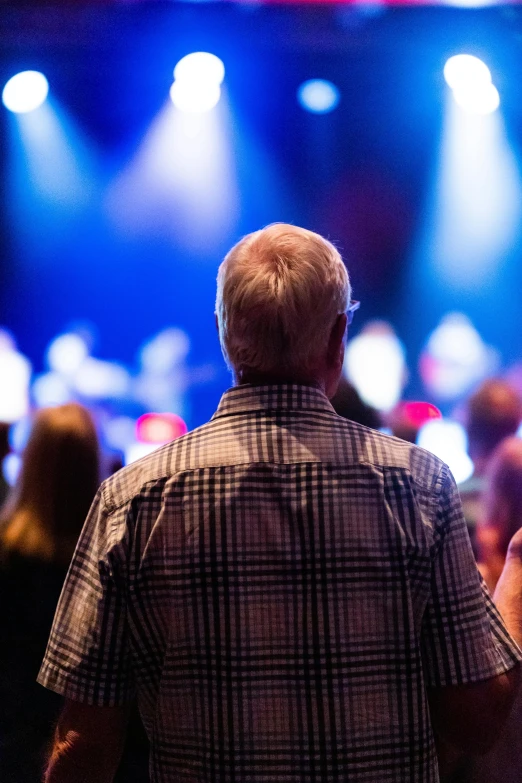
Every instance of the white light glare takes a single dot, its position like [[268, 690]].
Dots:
[[194, 98], [137, 450], [15, 374], [465, 70], [375, 364], [200, 67], [318, 96], [66, 353], [447, 440], [479, 99], [25, 91], [197, 79], [470, 80]]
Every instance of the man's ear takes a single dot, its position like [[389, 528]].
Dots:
[[217, 322], [336, 343]]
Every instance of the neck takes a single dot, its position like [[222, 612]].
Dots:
[[243, 377]]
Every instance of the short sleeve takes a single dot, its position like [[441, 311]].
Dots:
[[464, 639], [87, 657]]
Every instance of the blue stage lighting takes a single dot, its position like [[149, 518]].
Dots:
[[200, 68], [464, 71], [318, 96], [25, 91]]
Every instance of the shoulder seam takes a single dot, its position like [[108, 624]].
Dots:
[[110, 503]]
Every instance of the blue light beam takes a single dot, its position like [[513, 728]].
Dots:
[[53, 156], [182, 182], [474, 218]]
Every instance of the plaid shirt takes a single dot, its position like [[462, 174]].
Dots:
[[277, 588]]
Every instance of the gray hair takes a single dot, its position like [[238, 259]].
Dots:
[[279, 291]]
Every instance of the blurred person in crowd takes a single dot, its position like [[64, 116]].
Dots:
[[402, 426], [501, 520], [347, 402], [502, 509], [493, 413], [39, 527], [4, 451], [272, 587], [58, 479]]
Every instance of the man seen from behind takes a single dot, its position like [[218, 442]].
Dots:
[[288, 595]]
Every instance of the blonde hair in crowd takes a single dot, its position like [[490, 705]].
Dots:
[[279, 291], [45, 511]]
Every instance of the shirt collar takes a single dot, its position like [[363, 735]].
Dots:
[[244, 398]]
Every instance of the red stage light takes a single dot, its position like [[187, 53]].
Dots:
[[159, 427], [418, 413]]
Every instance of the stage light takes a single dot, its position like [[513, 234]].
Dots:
[[477, 205], [469, 3], [152, 431], [182, 182], [197, 79], [466, 71], [200, 68], [418, 413], [470, 80], [318, 96], [25, 92], [478, 99], [159, 428], [194, 97]]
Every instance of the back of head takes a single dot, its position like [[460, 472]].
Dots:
[[57, 482], [494, 413], [278, 295]]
